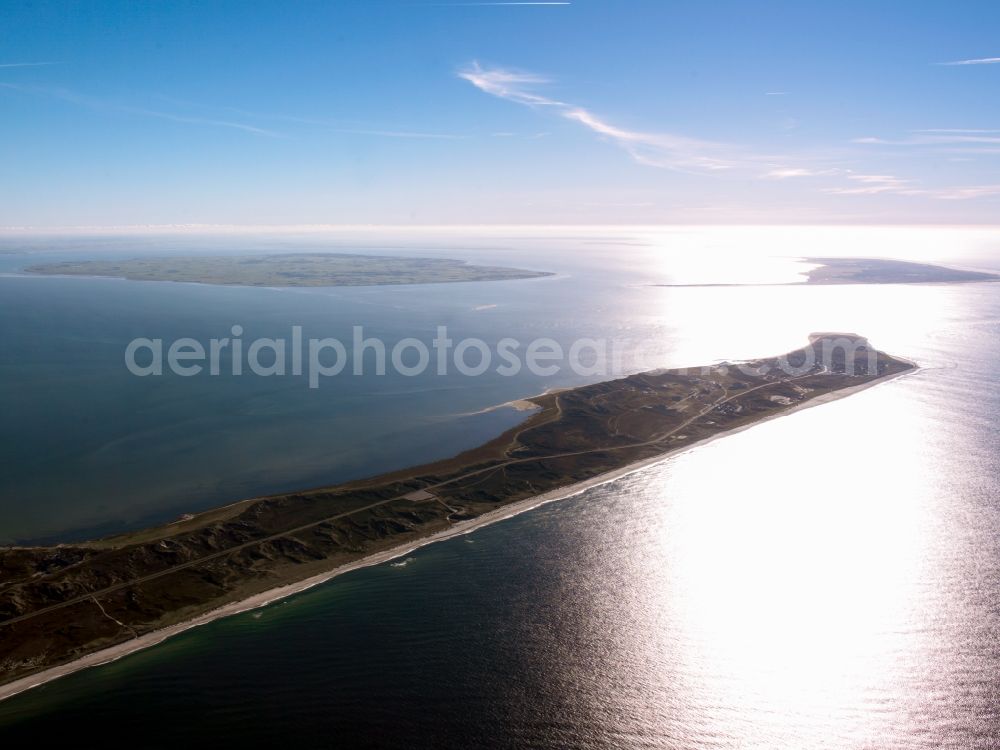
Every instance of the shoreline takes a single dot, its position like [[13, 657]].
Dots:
[[121, 650]]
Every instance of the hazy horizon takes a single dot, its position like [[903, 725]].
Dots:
[[556, 374]]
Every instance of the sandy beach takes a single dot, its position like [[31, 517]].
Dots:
[[464, 527]]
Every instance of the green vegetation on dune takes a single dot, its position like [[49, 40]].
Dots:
[[61, 602], [880, 271], [830, 271], [299, 269]]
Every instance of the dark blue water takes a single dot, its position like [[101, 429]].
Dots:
[[829, 579]]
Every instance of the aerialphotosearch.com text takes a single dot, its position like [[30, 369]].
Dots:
[[320, 358]]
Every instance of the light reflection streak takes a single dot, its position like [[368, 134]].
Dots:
[[791, 583]]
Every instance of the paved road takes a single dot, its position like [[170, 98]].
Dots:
[[93, 595]]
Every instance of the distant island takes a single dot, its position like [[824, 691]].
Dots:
[[292, 269], [831, 271], [879, 271], [69, 606]]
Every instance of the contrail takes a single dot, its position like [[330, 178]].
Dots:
[[978, 61], [25, 65]]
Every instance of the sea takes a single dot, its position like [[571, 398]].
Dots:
[[829, 579]]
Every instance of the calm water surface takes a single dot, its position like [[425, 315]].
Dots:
[[829, 579]]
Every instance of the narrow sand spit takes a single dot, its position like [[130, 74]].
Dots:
[[464, 527]]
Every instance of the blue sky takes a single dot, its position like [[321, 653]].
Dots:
[[588, 112]]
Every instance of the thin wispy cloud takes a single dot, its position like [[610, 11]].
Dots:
[[101, 105], [787, 173], [874, 184], [26, 64], [509, 84], [957, 130], [401, 134], [683, 153], [344, 126], [936, 138], [969, 193], [228, 111], [974, 61], [859, 184], [529, 136], [881, 184], [666, 150], [184, 119]]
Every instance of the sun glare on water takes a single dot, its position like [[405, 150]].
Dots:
[[793, 587]]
